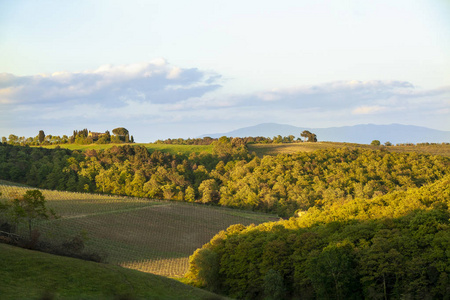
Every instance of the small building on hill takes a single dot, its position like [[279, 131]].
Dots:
[[95, 135]]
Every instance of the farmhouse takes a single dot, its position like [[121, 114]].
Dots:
[[95, 135]]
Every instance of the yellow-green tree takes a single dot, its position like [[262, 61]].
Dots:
[[30, 207]]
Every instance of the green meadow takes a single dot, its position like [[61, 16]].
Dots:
[[289, 148], [30, 274]]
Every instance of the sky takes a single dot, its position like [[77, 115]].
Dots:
[[172, 68]]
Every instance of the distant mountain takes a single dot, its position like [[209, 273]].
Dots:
[[361, 134]]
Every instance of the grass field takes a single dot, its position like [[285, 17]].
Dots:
[[27, 274], [272, 149], [146, 235], [288, 148], [173, 149]]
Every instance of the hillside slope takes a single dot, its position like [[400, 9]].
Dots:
[[29, 274], [141, 234], [393, 246]]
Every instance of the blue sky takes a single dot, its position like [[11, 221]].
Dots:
[[184, 68]]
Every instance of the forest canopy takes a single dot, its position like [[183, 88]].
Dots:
[[282, 184], [393, 246]]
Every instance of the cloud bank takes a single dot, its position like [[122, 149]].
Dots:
[[157, 100], [153, 82]]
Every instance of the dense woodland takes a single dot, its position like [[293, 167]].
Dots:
[[230, 176], [393, 246]]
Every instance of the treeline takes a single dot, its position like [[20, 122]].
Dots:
[[180, 141], [230, 176], [235, 140], [393, 246], [82, 137]]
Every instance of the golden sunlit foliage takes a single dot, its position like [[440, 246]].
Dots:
[[390, 247]]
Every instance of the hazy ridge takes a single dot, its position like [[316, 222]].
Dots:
[[362, 134]]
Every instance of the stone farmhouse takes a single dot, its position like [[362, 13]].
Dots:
[[95, 135]]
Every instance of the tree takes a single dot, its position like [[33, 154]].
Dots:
[[29, 207], [41, 136], [189, 194], [309, 136], [13, 139], [332, 272], [277, 139], [222, 147], [208, 191], [204, 268], [375, 143], [104, 138], [273, 285], [120, 131]]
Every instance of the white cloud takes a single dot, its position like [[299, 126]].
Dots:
[[159, 100], [108, 85]]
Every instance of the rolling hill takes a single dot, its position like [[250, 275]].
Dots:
[[30, 274]]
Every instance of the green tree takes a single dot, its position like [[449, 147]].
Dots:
[[309, 136], [121, 131], [30, 207], [107, 136], [273, 285], [104, 138], [41, 136], [222, 147], [375, 143], [116, 139], [332, 272], [277, 139], [13, 139], [208, 190], [204, 268]]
